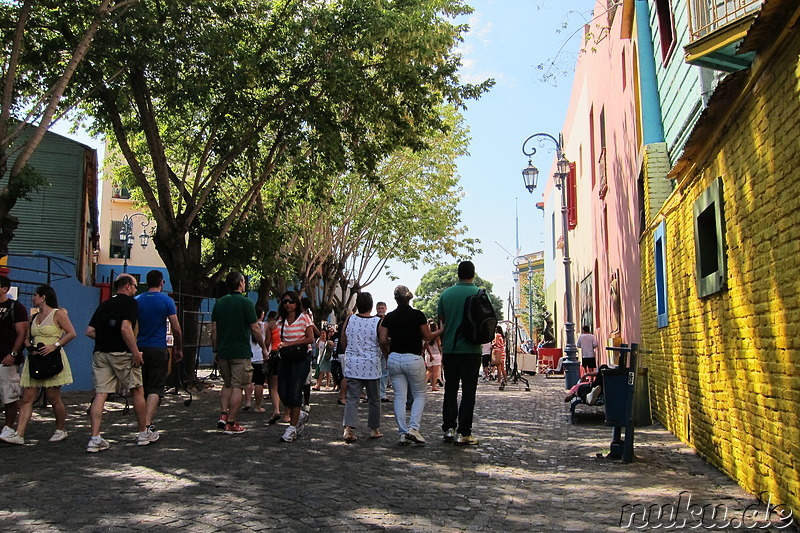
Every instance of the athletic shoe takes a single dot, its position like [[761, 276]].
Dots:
[[415, 436], [404, 440], [223, 421], [306, 408], [290, 435], [233, 428], [147, 437], [12, 437], [7, 432], [97, 444], [466, 440], [301, 422], [59, 435], [450, 435]]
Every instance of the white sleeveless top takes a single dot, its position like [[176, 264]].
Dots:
[[363, 354]]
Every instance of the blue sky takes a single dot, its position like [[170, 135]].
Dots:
[[507, 40]]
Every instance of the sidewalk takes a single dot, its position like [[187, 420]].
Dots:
[[533, 471]]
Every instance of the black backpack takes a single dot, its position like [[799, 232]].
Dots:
[[479, 321]]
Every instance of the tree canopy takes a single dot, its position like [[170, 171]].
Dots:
[[35, 80], [221, 108], [342, 243], [440, 278]]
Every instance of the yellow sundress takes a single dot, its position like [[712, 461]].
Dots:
[[47, 333]]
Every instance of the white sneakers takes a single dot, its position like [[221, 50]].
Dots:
[[147, 437], [10, 436], [59, 435], [97, 444], [301, 422], [415, 436], [290, 435]]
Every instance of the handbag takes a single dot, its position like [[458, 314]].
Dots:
[[44, 366], [293, 354]]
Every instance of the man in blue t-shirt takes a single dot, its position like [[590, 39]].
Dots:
[[155, 309], [461, 360]]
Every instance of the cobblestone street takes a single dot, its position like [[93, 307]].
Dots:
[[534, 471]]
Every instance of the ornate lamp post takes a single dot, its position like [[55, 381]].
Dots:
[[127, 238], [530, 175]]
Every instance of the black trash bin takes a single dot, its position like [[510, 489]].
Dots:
[[615, 392]]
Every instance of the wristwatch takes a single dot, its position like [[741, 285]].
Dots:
[[13, 354], [57, 344]]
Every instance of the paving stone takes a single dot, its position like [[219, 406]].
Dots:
[[534, 471]]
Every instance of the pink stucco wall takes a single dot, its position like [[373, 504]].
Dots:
[[604, 243]]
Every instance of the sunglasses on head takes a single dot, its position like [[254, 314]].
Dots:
[[289, 301]]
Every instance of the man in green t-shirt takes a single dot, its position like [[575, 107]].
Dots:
[[233, 323], [461, 360]]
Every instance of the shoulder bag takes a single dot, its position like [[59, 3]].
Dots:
[[44, 366]]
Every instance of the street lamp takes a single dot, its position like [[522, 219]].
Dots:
[[529, 175], [127, 238]]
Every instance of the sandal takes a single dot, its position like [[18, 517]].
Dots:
[[273, 420], [348, 435]]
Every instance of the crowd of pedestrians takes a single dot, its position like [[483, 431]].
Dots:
[[284, 352]]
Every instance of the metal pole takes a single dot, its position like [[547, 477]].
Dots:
[[125, 252], [571, 367]]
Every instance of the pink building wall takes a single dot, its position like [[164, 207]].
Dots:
[[604, 245]]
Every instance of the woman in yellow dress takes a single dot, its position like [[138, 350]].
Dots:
[[52, 328]]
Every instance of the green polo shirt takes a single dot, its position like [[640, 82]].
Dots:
[[233, 314], [451, 308]]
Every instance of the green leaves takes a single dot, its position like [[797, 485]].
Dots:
[[241, 122], [435, 281]]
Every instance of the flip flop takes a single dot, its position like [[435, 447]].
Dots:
[[274, 419]]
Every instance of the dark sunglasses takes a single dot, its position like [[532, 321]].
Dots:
[[288, 301]]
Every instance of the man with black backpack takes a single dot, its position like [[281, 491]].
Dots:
[[461, 357]]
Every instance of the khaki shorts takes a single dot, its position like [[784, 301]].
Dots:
[[9, 384], [236, 373], [114, 371]]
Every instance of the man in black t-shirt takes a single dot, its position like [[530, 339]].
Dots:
[[117, 361], [13, 331]]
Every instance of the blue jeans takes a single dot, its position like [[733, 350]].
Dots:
[[463, 369], [384, 376], [407, 372]]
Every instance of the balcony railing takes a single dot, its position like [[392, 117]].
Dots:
[[707, 16]]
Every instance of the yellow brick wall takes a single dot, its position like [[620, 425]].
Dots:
[[725, 372]]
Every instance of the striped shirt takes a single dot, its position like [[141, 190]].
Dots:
[[296, 330]]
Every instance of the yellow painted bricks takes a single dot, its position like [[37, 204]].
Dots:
[[725, 370]]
